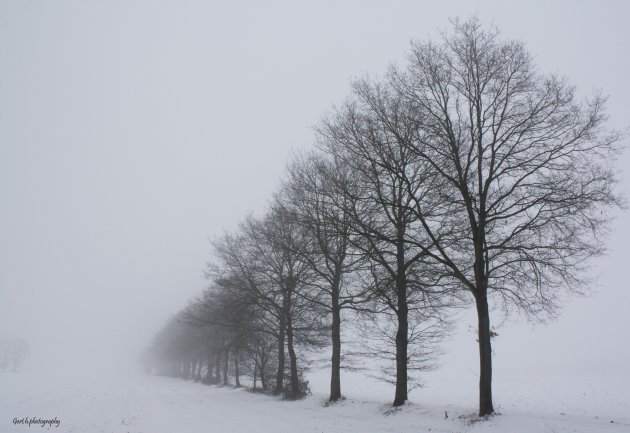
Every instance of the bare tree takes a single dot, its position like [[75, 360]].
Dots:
[[293, 273], [321, 213], [243, 269], [261, 263], [13, 351]]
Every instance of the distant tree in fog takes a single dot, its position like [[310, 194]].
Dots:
[[13, 352]]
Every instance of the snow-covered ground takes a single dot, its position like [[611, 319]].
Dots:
[[149, 404]]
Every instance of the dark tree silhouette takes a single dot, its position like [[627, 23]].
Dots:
[[311, 199]]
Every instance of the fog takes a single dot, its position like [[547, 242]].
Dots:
[[133, 132]]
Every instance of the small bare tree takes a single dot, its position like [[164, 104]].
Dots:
[[13, 351]]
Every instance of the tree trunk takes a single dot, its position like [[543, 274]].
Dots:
[[236, 370], [210, 368], [217, 373], [186, 370], [401, 355], [335, 370], [196, 373], [485, 356], [262, 366], [255, 373], [280, 372], [226, 366], [295, 382], [402, 334], [263, 378]]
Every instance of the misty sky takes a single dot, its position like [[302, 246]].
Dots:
[[131, 132]]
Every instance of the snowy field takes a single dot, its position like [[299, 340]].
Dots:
[[149, 404]]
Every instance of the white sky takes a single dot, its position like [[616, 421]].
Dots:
[[131, 131]]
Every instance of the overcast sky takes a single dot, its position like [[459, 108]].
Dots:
[[132, 131]]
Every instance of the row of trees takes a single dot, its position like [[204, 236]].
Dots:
[[462, 178]]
